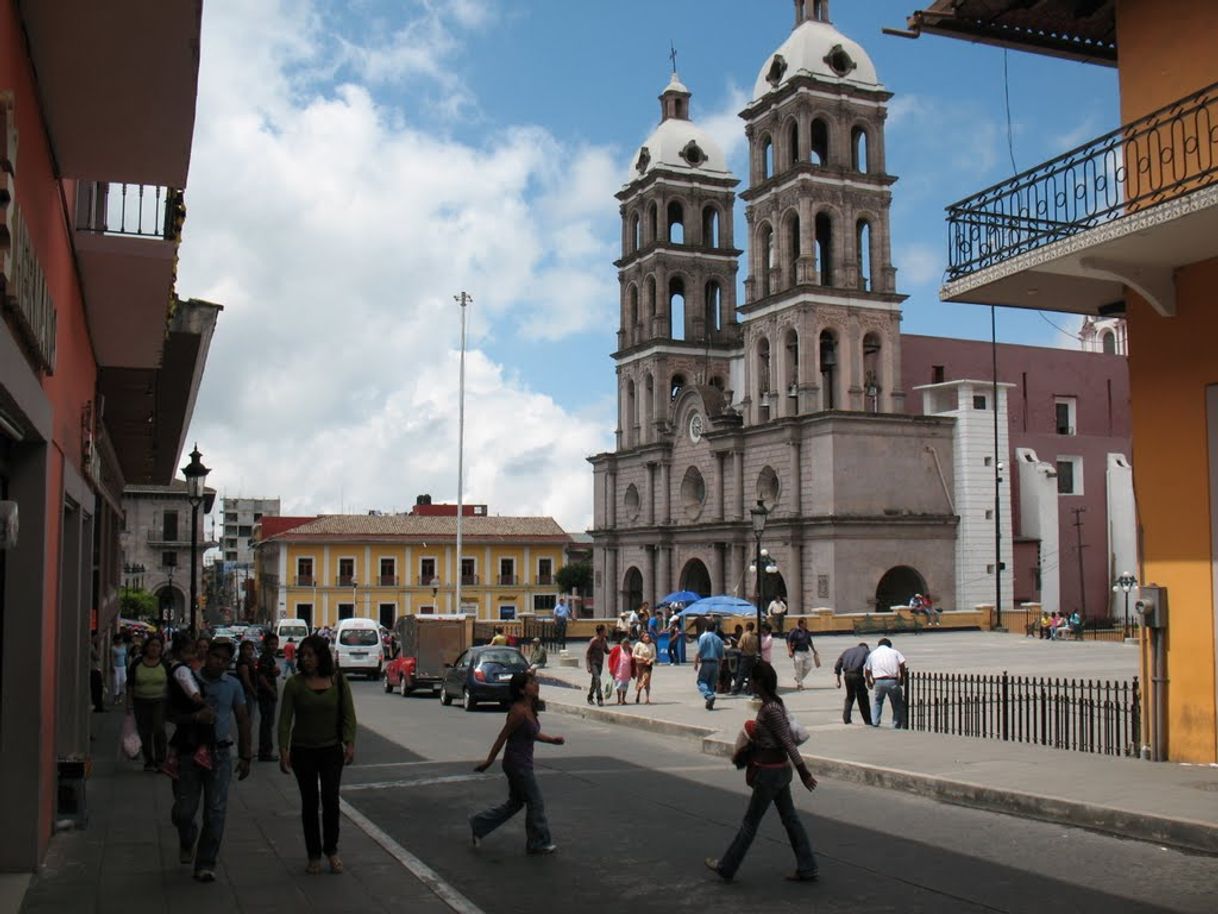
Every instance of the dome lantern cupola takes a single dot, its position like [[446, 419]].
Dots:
[[811, 10], [674, 100]]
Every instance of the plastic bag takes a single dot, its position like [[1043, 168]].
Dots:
[[799, 732], [131, 738]]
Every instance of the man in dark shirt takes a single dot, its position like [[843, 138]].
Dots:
[[850, 665], [801, 651], [266, 675], [594, 661]]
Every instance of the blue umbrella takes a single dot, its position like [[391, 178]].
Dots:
[[684, 597], [721, 605]]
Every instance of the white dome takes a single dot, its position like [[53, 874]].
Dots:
[[805, 51], [680, 146]]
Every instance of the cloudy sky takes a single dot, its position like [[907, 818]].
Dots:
[[356, 164]]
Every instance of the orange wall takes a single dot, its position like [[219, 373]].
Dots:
[[1167, 51]]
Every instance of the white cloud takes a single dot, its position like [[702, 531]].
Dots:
[[335, 232], [919, 263], [727, 129]]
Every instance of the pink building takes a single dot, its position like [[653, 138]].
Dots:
[[1069, 434]]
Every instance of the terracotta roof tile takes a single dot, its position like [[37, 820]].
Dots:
[[396, 526]]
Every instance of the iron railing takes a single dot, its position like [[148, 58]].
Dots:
[[545, 629], [1027, 622], [1075, 714], [1168, 153], [141, 210]]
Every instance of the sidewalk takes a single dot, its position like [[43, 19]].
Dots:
[[126, 861], [1165, 803]]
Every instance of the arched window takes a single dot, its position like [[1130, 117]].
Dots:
[[1108, 342], [820, 143], [824, 248], [649, 306], [790, 363], [676, 308], [763, 367], [765, 258], [858, 150], [649, 399], [828, 369], [767, 157], [632, 313], [793, 144], [631, 419], [871, 372], [820, 10], [863, 247], [653, 222], [791, 242], [636, 232], [710, 226], [677, 385], [676, 223], [714, 306]]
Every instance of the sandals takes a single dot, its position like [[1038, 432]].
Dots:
[[313, 868], [336, 864]]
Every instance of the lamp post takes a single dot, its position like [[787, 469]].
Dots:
[[758, 515], [169, 569], [1125, 583], [196, 475]]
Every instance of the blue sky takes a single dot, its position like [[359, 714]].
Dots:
[[356, 164]]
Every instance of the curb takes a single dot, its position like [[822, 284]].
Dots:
[[1184, 834]]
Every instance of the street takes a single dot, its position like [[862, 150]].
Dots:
[[634, 815]]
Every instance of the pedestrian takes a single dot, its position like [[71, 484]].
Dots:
[[774, 753], [202, 649], [499, 638], [118, 662], [245, 671], [621, 668], [777, 612], [148, 683], [706, 662], [537, 655], [644, 661], [97, 681], [675, 637], [185, 696], [317, 729], [801, 650], [225, 707], [747, 660], [267, 681], [594, 661], [289, 659], [850, 666], [885, 671], [519, 734], [767, 643], [562, 615]]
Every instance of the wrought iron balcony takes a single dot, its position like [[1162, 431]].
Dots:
[[305, 580], [545, 580], [429, 580], [346, 580], [1169, 153], [507, 580], [387, 580], [139, 210]]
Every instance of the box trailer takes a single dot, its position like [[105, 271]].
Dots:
[[424, 644]]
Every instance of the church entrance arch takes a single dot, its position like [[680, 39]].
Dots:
[[897, 586], [695, 577], [632, 588], [774, 586]]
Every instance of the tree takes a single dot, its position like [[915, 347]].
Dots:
[[136, 603], [577, 578]]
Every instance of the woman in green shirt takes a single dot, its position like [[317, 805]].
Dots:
[[316, 738], [147, 690]]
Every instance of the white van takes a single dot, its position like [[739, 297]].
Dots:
[[357, 647], [293, 630]]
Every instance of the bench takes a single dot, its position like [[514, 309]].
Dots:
[[886, 622]]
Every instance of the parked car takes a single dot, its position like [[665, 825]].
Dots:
[[357, 647], [423, 649], [481, 674]]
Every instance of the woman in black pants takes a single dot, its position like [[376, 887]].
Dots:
[[316, 738]]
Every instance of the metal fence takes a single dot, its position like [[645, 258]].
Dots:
[[1027, 622], [519, 632], [1076, 714], [545, 629], [1166, 154]]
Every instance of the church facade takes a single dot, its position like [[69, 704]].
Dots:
[[791, 401]]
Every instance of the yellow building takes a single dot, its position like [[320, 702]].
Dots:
[[1127, 225], [381, 567]]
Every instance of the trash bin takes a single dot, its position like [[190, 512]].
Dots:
[[662, 648]]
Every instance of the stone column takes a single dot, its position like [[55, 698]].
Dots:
[[666, 483], [651, 494], [720, 488], [796, 448], [613, 587], [794, 576], [664, 572]]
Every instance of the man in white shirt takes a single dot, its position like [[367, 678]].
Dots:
[[777, 612], [885, 671]]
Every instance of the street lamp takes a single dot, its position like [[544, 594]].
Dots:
[[1126, 582], [196, 475], [762, 560]]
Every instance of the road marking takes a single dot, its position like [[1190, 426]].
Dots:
[[425, 874], [420, 782], [464, 778]]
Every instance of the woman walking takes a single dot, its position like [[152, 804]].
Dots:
[[521, 731], [621, 668], [773, 755], [644, 659], [316, 738], [147, 689]]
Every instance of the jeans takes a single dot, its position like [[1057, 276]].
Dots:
[[312, 766], [856, 691], [266, 725], [744, 672], [212, 785], [708, 676], [150, 722], [522, 791], [772, 785], [803, 666], [892, 689], [674, 650], [560, 633], [595, 687]]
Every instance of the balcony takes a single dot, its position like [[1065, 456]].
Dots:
[[387, 580], [428, 580], [545, 580], [179, 540], [346, 580], [1125, 210], [469, 580], [305, 580], [507, 580]]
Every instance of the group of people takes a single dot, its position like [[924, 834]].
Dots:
[[1057, 626], [210, 711], [628, 662], [883, 671]]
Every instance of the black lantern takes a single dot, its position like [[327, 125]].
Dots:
[[196, 476]]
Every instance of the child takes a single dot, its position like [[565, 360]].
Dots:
[[185, 697]]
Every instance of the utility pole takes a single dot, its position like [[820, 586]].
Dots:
[[464, 301], [1082, 581]]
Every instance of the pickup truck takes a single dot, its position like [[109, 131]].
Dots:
[[425, 646]]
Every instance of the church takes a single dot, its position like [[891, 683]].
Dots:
[[789, 402]]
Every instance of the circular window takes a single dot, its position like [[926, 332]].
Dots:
[[778, 69], [631, 500], [643, 161], [839, 61], [693, 154], [693, 492], [767, 487]]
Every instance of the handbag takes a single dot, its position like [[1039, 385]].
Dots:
[[130, 741], [815, 658]]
